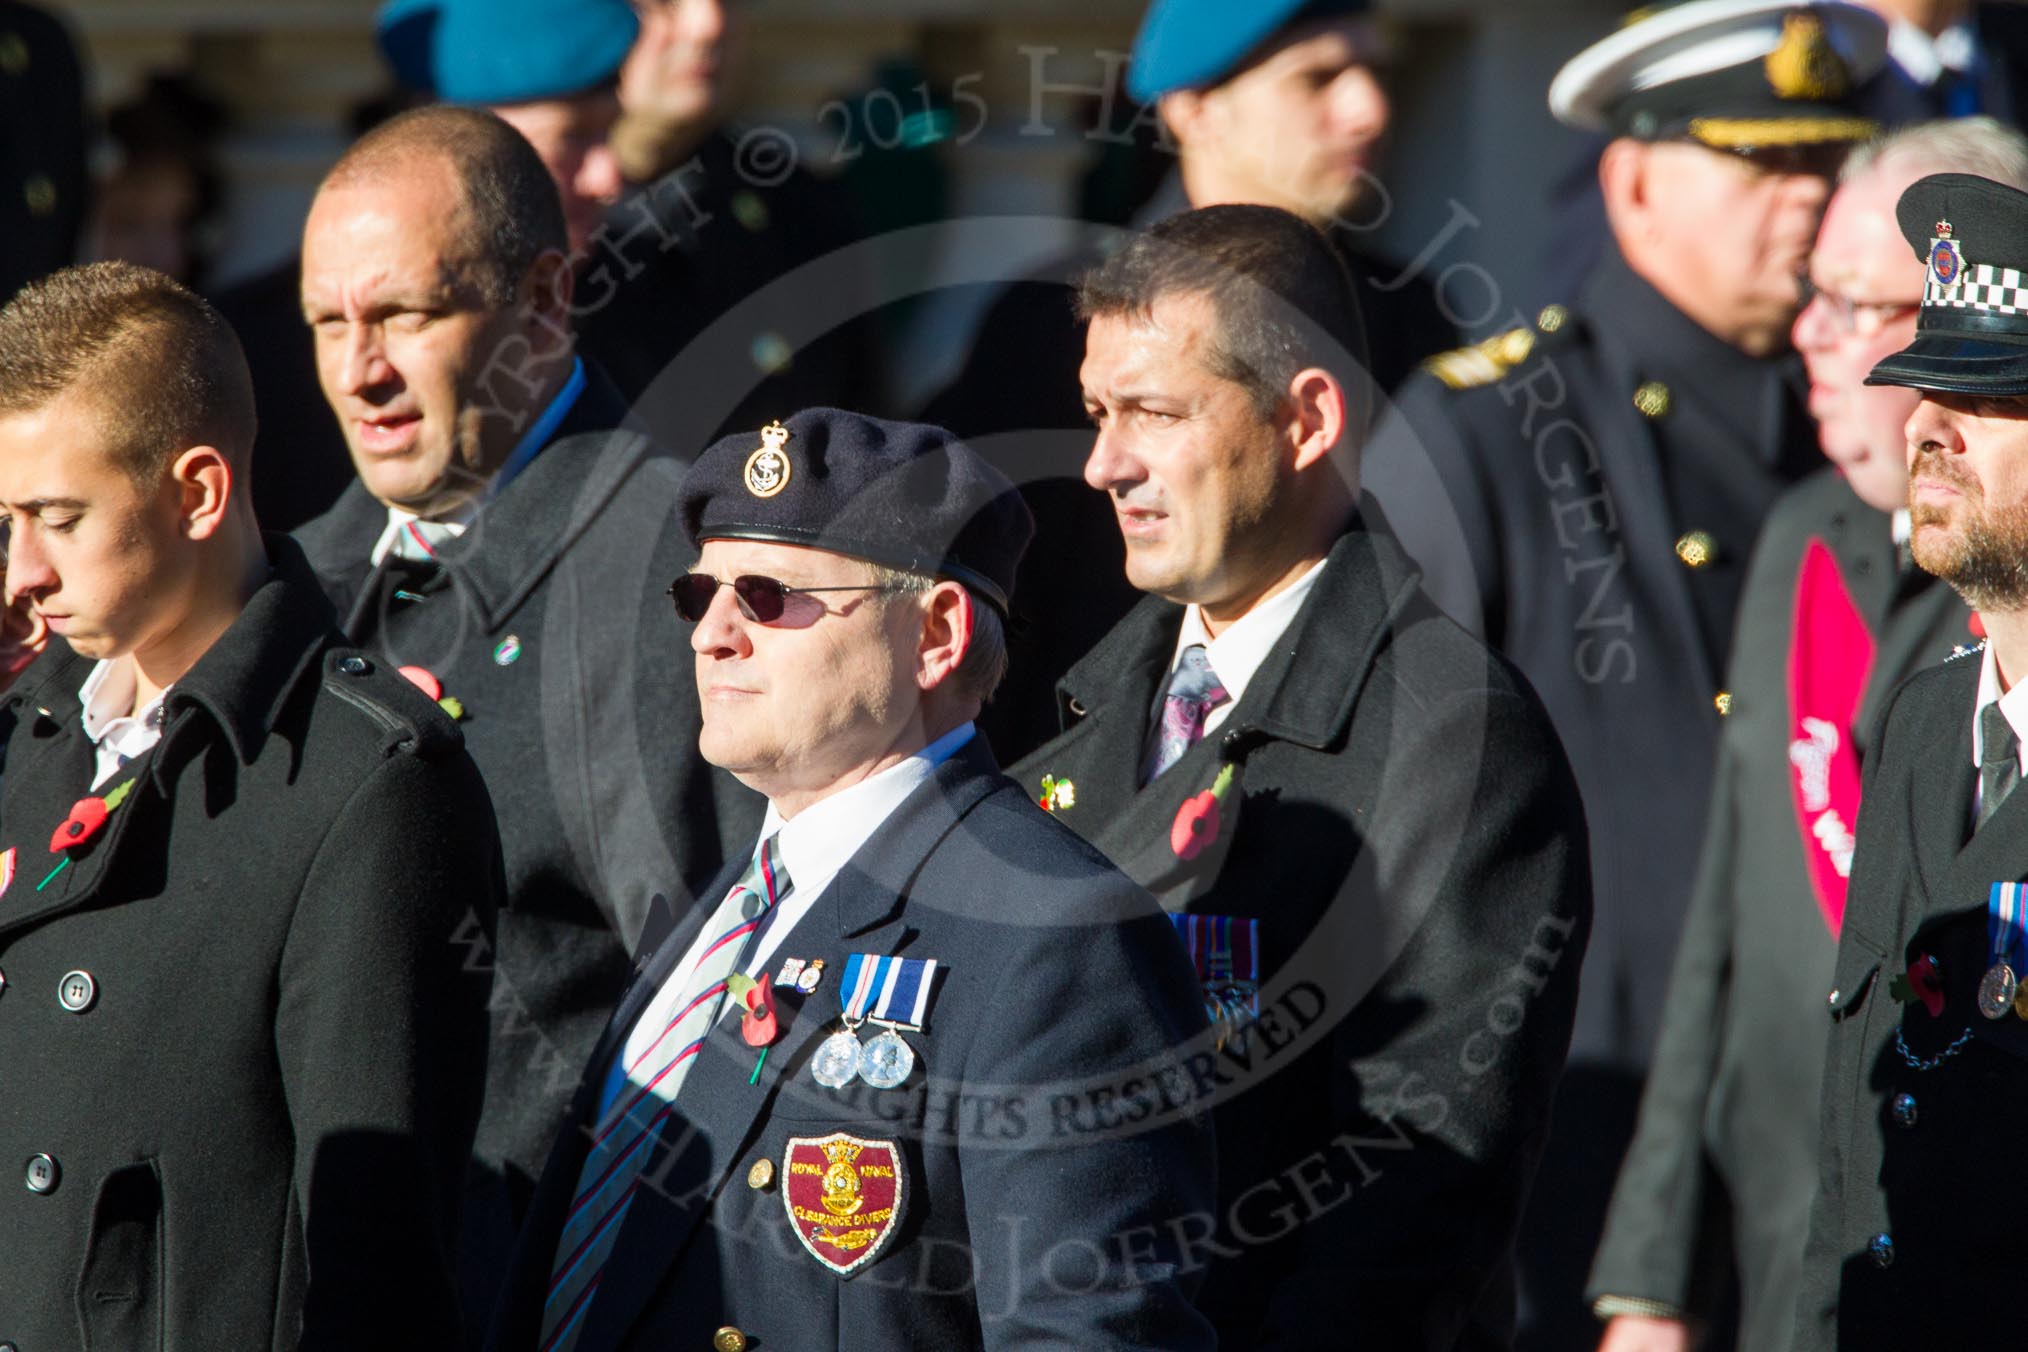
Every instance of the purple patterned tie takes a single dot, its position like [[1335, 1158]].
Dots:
[[1194, 691]]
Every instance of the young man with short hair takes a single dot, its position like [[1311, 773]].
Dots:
[[244, 1052]]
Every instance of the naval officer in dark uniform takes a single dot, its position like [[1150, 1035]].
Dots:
[[1915, 1237], [1834, 617], [1584, 491]]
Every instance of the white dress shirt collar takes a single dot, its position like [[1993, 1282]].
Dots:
[[815, 844], [119, 733], [1238, 653], [2013, 706]]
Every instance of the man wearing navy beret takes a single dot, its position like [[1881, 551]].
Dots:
[[1914, 1241], [916, 1074]]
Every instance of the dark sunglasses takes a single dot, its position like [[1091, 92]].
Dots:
[[761, 599]]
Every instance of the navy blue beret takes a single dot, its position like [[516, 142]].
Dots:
[[1186, 43], [906, 495], [505, 51]]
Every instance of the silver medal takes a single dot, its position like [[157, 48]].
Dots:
[[1996, 990], [838, 1059], [887, 1060]]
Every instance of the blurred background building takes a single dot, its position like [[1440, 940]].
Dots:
[[215, 118]]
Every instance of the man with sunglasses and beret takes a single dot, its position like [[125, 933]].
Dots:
[[497, 547], [917, 1074], [1584, 491], [1915, 1237]]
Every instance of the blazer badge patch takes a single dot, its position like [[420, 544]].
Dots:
[[844, 1197]]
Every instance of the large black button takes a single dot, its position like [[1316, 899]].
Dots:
[[43, 1173], [1903, 1110]]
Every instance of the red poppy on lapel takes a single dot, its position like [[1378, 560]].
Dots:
[[1197, 821], [87, 815]]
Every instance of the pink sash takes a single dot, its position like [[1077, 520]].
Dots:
[[1830, 656]]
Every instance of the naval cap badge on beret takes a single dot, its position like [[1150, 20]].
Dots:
[[905, 495], [1728, 73], [1971, 336]]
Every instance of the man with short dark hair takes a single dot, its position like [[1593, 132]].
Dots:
[[242, 869], [1359, 814], [1278, 103], [498, 546], [1012, 1154]]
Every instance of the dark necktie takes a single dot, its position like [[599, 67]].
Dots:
[[1194, 691], [1999, 760]]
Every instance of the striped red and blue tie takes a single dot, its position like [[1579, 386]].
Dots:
[[641, 1099]]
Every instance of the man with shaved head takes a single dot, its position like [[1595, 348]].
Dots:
[[506, 544]]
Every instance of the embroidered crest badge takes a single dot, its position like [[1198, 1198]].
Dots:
[[767, 469], [844, 1197]]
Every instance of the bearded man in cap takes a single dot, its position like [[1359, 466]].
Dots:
[[1585, 491], [1913, 1239], [1280, 104], [916, 1078], [1834, 617]]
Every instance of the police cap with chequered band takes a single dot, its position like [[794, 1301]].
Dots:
[[1971, 336], [905, 495], [1729, 74]]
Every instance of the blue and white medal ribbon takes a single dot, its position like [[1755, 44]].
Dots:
[[2007, 928], [891, 991]]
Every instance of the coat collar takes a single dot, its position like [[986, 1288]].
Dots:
[[517, 538], [719, 1111], [241, 683], [1366, 583]]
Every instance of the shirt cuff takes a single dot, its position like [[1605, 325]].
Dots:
[[1609, 1307]]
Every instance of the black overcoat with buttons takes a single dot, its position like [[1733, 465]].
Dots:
[[1403, 826], [1545, 509], [548, 624], [1723, 1163], [1915, 1236], [241, 1043], [1055, 1156]]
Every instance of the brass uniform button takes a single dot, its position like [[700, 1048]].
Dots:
[[1652, 399], [728, 1339], [1552, 318], [39, 193], [761, 1175], [1722, 702], [1696, 548]]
